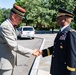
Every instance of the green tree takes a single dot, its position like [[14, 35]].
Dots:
[[40, 12], [43, 12], [1, 13], [4, 14]]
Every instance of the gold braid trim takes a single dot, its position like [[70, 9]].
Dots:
[[48, 52], [71, 69], [18, 12]]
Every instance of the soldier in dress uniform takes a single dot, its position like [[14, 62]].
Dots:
[[8, 42], [64, 49]]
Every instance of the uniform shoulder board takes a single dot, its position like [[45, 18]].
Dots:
[[72, 30]]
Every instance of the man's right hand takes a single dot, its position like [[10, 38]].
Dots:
[[36, 52]]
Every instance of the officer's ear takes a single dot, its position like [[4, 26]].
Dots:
[[69, 19], [63, 21]]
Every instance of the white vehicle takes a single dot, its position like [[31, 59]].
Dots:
[[26, 32]]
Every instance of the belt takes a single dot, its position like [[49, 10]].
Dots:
[[71, 69]]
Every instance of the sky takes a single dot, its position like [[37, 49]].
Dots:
[[6, 3]]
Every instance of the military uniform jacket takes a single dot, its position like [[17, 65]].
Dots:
[[9, 46], [63, 53]]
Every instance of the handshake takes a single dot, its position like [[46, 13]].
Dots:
[[36, 52]]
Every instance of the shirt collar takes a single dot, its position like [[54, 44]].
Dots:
[[63, 28], [10, 21]]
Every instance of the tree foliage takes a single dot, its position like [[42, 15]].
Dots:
[[4, 14], [41, 13]]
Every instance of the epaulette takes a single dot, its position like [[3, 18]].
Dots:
[[72, 30]]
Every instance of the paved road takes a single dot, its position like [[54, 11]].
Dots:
[[44, 64], [24, 63]]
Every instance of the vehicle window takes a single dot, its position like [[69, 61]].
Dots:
[[27, 29]]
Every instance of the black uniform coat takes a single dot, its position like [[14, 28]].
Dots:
[[71, 56], [63, 53]]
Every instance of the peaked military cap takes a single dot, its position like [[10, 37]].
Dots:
[[64, 12], [18, 10]]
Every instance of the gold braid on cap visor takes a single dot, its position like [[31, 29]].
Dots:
[[18, 12], [59, 14]]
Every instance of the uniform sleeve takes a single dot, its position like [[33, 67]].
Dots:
[[7, 36], [71, 56], [11, 41], [47, 52]]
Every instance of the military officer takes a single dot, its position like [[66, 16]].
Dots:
[[8, 41], [64, 49]]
